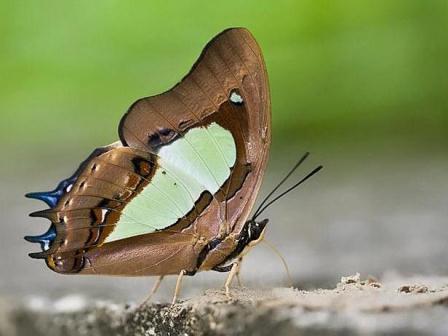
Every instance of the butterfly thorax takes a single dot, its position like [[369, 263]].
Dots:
[[219, 253]]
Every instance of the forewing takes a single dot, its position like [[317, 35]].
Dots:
[[228, 85]]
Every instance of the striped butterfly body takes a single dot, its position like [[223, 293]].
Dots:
[[175, 192]]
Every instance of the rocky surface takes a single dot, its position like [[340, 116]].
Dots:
[[411, 306]]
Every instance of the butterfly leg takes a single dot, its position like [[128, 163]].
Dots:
[[230, 277], [154, 289], [238, 278], [178, 284]]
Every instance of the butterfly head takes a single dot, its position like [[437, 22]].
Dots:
[[255, 231]]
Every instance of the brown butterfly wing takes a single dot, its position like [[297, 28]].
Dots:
[[232, 61], [103, 185]]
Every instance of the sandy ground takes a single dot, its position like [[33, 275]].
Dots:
[[411, 306], [384, 215], [370, 214]]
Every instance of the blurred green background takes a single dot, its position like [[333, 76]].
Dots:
[[364, 71], [361, 84]]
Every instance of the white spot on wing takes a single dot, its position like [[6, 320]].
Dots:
[[46, 245], [104, 213], [236, 98]]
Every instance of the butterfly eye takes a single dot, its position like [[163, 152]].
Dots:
[[236, 98]]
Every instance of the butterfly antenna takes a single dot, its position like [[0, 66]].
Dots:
[[303, 158], [314, 171]]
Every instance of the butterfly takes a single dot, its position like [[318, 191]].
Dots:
[[174, 194]]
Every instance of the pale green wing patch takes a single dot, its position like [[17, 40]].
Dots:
[[200, 160]]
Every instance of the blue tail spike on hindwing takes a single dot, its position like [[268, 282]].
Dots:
[[51, 198], [45, 240]]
